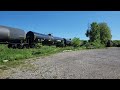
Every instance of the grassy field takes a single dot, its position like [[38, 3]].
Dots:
[[16, 56]]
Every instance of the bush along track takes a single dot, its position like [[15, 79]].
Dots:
[[18, 55]]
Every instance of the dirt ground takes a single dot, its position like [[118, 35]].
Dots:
[[83, 64]]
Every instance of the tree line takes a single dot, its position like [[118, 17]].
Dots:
[[99, 35]]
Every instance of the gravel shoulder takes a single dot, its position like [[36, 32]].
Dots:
[[83, 64]]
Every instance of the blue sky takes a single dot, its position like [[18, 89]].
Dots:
[[67, 24]]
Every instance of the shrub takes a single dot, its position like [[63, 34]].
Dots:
[[109, 43], [116, 43], [38, 45], [83, 42], [76, 42], [94, 45], [98, 45], [89, 45]]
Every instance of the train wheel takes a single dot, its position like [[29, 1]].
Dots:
[[32, 46], [14, 46], [19, 46], [22, 46], [9, 45], [26, 46]]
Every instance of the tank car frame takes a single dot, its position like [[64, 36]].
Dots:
[[17, 38]]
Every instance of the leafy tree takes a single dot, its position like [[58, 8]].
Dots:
[[105, 33], [94, 32], [109, 43], [76, 42], [83, 42], [116, 43], [99, 33]]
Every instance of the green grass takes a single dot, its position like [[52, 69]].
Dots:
[[14, 56], [17, 56]]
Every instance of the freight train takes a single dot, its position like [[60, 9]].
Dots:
[[17, 38]]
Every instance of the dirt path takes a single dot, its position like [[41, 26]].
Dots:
[[84, 64]]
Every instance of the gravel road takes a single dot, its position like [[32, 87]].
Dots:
[[83, 64]]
